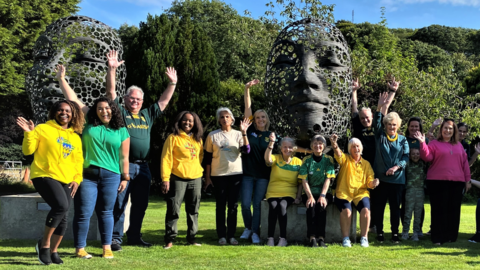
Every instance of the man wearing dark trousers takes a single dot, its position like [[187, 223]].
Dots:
[[139, 124]]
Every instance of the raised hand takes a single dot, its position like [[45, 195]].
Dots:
[[419, 136], [252, 83], [244, 124], [382, 99], [393, 85], [171, 74], [27, 126], [272, 137], [112, 57], [437, 122], [333, 139], [477, 148], [60, 71], [355, 85]]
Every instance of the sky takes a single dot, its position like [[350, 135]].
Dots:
[[399, 13]]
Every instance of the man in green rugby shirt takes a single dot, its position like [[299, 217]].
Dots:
[[139, 124]]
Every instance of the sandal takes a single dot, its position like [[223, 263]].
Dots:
[[222, 241], [233, 241]]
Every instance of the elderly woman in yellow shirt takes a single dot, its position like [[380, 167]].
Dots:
[[355, 176], [283, 188]]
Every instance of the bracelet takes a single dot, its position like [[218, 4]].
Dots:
[[322, 195], [271, 148], [245, 135], [172, 83]]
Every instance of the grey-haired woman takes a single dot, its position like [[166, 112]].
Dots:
[[224, 171]]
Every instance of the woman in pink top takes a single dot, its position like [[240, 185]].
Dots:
[[447, 176]]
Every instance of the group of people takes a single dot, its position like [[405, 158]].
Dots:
[[108, 164]]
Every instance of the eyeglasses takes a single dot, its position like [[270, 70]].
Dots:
[[135, 99]]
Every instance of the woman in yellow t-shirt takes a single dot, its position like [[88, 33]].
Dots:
[[283, 188], [355, 176]]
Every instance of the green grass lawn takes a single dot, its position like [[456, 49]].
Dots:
[[20, 254]]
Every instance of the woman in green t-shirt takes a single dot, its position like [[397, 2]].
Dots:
[[106, 145], [317, 172]]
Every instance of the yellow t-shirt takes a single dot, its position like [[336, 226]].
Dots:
[[284, 177], [353, 178]]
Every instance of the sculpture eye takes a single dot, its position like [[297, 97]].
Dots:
[[284, 61], [330, 60], [42, 54]]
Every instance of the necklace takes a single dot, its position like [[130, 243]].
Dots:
[[392, 139]]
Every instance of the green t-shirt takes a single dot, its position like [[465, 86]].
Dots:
[[139, 127], [316, 173], [254, 162], [101, 146]]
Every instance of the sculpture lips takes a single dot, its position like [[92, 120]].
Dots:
[[308, 102]]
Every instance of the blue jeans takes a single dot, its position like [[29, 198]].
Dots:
[[98, 192], [139, 189], [255, 188]]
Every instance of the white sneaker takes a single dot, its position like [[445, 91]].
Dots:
[[346, 242], [364, 242], [255, 238], [246, 234], [282, 242], [405, 236], [271, 242]]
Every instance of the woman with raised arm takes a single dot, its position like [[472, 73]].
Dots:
[[390, 160], [182, 173], [283, 188], [223, 149], [256, 174], [56, 169], [316, 173], [354, 179], [106, 145], [448, 175]]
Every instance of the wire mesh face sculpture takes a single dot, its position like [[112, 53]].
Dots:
[[308, 81], [81, 44]]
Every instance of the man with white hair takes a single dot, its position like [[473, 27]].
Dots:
[[362, 120], [139, 125]]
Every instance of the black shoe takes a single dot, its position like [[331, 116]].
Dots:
[[43, 253], [116, 246], [321, 243], [313, 243], [56, 259], [138, 242], [475, 238], [395, 239], [380, 237]]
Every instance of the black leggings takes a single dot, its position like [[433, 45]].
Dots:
[[316, 216], [278, 210], [57, 196]]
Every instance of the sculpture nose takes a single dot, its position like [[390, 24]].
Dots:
[[308, 81]]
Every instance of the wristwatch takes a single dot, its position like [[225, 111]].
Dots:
[[322, 195]]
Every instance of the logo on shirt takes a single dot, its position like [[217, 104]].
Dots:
[[224, 145], [67, 147], [267, 139], [191, 148]]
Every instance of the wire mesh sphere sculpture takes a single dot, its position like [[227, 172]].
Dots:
[[308, 81], [80, 44]]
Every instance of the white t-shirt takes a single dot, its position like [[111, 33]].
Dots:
[[225, 147]]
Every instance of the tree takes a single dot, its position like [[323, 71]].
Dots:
[[451, 39], [21, 22], [472, 81], [241, 44]]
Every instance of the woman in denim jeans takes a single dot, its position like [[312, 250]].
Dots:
[[106, 145], [256, 174]]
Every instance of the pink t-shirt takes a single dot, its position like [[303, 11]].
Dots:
[[448, 162]]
